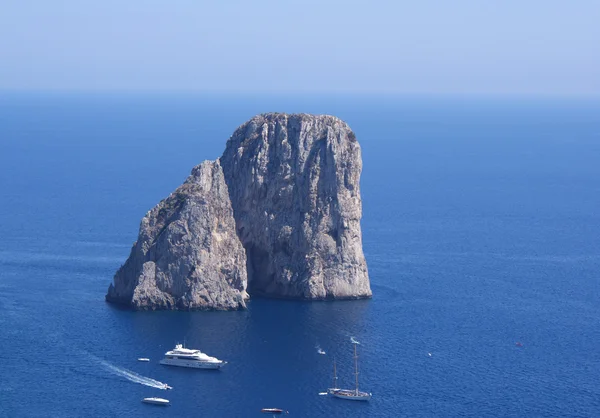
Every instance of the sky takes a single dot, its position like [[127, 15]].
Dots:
[[506, 47]]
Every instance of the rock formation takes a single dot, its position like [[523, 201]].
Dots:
[[187, 255], [278, 215]]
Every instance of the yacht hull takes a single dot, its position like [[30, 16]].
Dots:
[[351, 395], [192, 364]]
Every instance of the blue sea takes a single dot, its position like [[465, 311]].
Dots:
[[481, 231]]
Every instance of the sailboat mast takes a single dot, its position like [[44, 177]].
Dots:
[[334, 375], [356, 368]]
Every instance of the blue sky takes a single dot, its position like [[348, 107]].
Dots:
[[530, 47]]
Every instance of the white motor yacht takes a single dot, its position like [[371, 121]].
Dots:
[[185, 357]]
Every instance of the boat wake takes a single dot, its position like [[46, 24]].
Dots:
[[133, 376]]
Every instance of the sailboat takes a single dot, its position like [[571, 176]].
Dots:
[[350, 394]]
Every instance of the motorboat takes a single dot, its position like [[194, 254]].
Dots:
[[156, 401], [186, 357], [143, 359]]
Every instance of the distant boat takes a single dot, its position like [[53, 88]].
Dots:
[[321, 351], [349, 394], [143, 359], [185, 357], [156, 401], [274, 411]]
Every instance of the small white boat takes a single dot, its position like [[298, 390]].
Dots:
[[156, 401], [274, 411], [143, 359], [349, 394], [185, 357]]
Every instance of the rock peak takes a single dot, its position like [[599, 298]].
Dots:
[[275, 117]]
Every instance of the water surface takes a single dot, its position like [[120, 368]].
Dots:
[[480, 228]]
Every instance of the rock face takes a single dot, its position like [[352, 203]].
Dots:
[[278, 215], [294, 187], [187, 255]]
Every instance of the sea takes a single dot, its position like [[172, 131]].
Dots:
[[481, 230]]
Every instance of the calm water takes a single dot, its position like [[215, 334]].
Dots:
[[481, 229]]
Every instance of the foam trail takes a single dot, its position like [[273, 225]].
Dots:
[[353, 340], [133, 376]]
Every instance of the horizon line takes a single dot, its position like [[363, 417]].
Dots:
[[299, 93]]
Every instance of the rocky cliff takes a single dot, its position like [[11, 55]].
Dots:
[[277, 215], [187, 255]]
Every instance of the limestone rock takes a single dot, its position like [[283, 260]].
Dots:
[[187, 255], [279, 213], [294, 186]]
